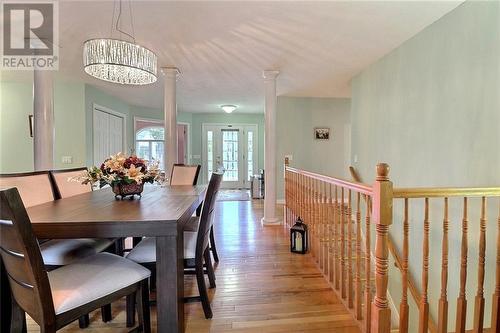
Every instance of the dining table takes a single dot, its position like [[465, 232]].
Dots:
[[161, 212]]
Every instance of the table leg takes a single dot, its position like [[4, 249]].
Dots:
[[170, 283], [5, 301]]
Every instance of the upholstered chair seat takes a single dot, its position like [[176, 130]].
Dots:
[[61, 252], [92, 278], [145, 251]]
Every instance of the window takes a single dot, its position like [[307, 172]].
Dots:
[[149, 144]]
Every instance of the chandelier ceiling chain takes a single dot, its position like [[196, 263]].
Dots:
[[117, 60]]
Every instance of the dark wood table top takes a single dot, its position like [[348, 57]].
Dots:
[[98, 214]]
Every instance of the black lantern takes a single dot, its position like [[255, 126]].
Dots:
[[298, 237]]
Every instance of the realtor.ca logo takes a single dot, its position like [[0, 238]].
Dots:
[[30, 35]]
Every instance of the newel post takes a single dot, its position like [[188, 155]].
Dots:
[[382, 216]]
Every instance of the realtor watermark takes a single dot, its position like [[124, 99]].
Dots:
[[30, 35]]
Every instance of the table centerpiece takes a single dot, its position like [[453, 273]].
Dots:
[[125, 175]]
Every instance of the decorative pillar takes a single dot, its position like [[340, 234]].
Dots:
[[270, 149], [43, 118], [170, 113]]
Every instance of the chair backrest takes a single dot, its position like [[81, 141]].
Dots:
[[34, 187], [23, 261], [207, 213], [184, 174], [64, 188]]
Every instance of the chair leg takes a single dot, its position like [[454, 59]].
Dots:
[[18, 319], [210, 268], [131, 310], [143, 307], [212, 245], [106, 313], [202, 288], [84, 321]]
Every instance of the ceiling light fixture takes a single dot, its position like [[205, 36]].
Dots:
[[117, 60], [228, 108]]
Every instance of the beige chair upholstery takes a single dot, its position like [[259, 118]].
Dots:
[[35, 189], [69, 188], [92, 278], [145, 251], [59, 252], [184, 174]]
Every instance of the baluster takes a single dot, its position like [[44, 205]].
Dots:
[[319, 214], [495, 309], [461, 301], [368, 292], [350, 255], [336, 225], [331, 243], [342, 246], [424, 305], [403, 307], [358, 296], [326, 234], [443, 301], [479, 305], [382, 210]]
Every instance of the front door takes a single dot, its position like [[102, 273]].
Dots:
[[230, 148]]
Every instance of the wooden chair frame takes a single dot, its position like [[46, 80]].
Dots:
[[29, 280]]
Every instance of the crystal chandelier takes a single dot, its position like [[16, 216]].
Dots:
[[119, 61]]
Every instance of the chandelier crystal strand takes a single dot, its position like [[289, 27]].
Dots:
[[119, 61]]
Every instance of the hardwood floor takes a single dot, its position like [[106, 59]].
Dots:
[[261, 286]]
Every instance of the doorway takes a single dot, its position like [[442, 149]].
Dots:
[[232, 148]]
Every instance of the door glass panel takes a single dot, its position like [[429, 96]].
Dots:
[[230, 154], [157, 151], [142, 150], [250, 154], [210, 153]]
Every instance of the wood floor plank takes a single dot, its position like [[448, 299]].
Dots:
[[261, 286]]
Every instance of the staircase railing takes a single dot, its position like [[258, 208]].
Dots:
[[342, 215]]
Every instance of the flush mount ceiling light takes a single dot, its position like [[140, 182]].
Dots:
[[117, 60], [228, 108]]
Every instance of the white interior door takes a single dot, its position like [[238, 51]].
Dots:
[[108, 135], [231, 148]]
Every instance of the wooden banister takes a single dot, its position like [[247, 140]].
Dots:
[[415, 293], [335, 209]]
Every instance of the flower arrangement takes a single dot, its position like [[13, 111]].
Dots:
[[125, 175]]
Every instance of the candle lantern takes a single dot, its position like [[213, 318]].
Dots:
[[298, 237]]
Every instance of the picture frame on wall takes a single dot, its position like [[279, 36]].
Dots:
[[322, 133]]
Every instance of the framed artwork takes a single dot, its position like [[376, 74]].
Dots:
[[30, 120], [322, 133]]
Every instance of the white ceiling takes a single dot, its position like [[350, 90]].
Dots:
[[221, 48]]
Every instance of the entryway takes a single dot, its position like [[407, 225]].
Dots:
[[231, 148]]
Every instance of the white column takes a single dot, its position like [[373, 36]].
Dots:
[[170, 113], [270, 217], [43, 111]]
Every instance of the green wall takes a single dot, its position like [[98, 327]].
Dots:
[[295, 122], [431, 109], [16, 146]]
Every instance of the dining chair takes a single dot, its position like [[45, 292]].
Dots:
[[53, 299], [64, 187], [196, 248], [184, 174], [38, 187], [188, 175]]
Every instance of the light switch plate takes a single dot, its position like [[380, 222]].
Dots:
[[290, 157], [197, 157], [67, 159]]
